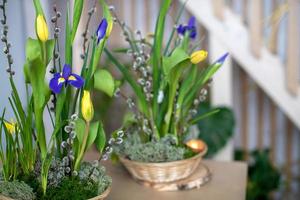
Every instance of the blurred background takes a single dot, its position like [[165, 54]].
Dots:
[[257, 88]]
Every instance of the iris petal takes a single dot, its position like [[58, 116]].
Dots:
[[75, 80], [66, 71], [55, 85], [181, 29], [101, 31], [192, 22], [193, 33], [222, 59]]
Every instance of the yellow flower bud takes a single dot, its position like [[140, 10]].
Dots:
[[198, 56], [11, 127], [87, 108], [42, 28], [109, 29]]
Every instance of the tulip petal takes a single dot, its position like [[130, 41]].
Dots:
[[56, 83], [75, 80], [101, 31]]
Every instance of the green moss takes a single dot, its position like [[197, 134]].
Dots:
[[90, 182], [16, 190], [163, 150], [70, 188]]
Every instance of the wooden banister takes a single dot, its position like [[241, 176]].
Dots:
[[256, 27], [293, 60], [218, 7]]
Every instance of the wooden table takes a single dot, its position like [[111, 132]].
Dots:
[[228, 182]]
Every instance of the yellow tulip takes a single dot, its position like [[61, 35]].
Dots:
[[198, 56], [87, 108], [109, 29], [11, 127], [42, 28]]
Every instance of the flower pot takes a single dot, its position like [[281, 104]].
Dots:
[[100, 197], [163, 172]]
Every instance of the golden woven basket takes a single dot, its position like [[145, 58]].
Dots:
[[100, 197], [103, 195], [163, 172]]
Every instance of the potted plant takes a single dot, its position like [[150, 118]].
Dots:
[[33, 167], [168, 82]]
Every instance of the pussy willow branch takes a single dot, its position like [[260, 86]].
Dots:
[[85, 33], [56, 52], [4, 39]]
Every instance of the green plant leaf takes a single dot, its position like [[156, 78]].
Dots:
[[217, 129], [93, 132], [78, 5], [38, 7], [156, 55], [200, 117], [32, 48], [101, 138], [37, 80], [49, 49], [104, 82], [172, 61], [80, 129], [68, 43]]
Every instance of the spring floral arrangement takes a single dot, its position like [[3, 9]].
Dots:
[[31, 166], [169, 82]]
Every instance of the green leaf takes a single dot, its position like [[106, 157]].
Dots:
[[156, 58], [37, 80], [49, 49], [200, 117], [172, 61], [80, 129], [101, 138], [104, 82], [78, 5], [32, 48], [187, 83], [93, 132], [68, 43], [38, 7], [217, 129]]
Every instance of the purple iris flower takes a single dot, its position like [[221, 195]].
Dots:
[[191, 27], [66, 77], [222, 59], [101, 31]]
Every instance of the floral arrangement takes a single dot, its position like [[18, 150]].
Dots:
[[168, 81], [50, 167]]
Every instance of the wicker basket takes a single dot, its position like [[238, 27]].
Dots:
[[163, 172], [103, 195], [100, 197]]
